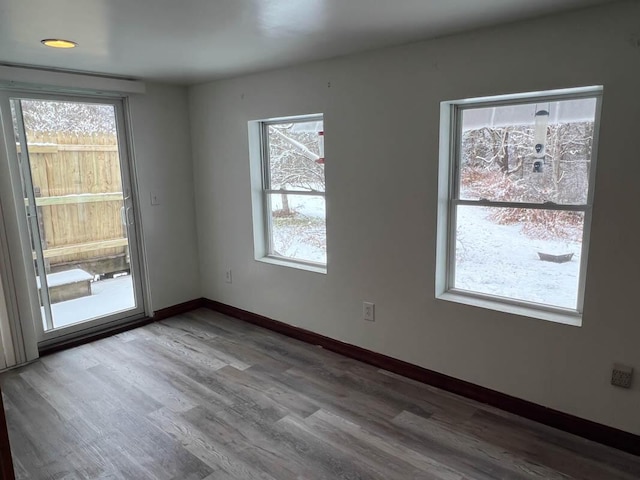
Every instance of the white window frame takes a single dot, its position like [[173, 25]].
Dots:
[[448, 200], [261, 193]]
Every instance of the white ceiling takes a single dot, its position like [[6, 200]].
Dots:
[[191, 41]]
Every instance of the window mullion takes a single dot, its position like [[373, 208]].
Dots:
[[531, 206], [296, 192]]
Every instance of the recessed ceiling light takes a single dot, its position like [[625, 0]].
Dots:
[[58, 43]]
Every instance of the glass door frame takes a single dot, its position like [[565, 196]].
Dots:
[[131, 206]]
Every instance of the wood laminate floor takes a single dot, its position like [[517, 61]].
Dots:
[[203, 396]]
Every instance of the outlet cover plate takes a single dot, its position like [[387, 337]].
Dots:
[[369, 311], [621, 375]]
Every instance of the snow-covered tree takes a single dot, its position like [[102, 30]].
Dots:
[[295, 162], [497, 164], [68, 117]]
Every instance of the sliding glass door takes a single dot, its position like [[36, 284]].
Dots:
[[76, 185]]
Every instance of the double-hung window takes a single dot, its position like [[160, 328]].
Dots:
[[516, 189], [289, 195]]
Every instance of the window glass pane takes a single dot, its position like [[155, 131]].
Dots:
[[534, 152], [76, 178], [296, 156], [298, 227], [522, 254]]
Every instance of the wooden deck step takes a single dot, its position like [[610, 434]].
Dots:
[[68, 285]]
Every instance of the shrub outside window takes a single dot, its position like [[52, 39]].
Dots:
[[293, 189], [516, 190]]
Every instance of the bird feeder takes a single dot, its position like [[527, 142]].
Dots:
[[540, 137], [320, 160]]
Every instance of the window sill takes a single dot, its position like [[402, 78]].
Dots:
[[557, 316], [293, 264]]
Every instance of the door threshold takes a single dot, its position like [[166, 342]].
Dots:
[[75, 339]]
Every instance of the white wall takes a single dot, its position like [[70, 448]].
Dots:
[[162, 148], [381, 122]]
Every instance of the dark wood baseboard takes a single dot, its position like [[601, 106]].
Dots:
[[588, 429], [178, 309], [91, 337]]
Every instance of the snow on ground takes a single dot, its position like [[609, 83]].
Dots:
[[108, 296], [501, 260], [303, 236]]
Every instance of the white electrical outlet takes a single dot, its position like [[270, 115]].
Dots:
[[227, 276], [369, 311]]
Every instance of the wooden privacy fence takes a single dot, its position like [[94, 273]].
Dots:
[[79, 198]]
